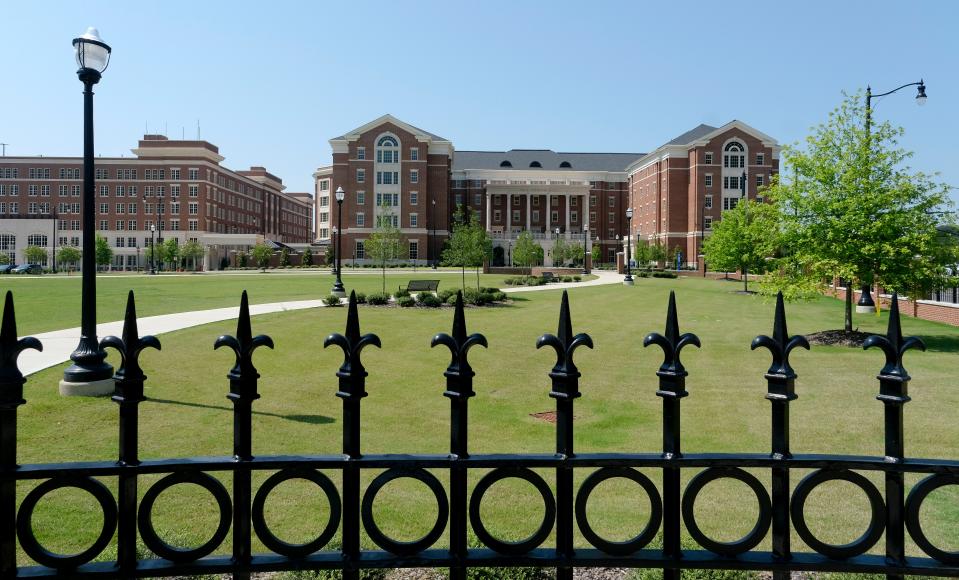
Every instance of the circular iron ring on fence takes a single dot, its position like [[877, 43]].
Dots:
[[173, 553], [263, 530], [393, 546], [33, 548], [913, 505], [538, 537], [747, 542], [868, 539], [655, 516]]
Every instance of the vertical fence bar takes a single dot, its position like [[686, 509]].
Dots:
[[565, 389], [11, 397], [459, 388], [894, 394], [781, 390], [129, 379], [352, 388], [672, 388], [243, 391]]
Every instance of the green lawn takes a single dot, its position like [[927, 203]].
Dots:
[[188, 414]]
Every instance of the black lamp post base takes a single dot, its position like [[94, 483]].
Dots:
[[628, 280], [338, 290], [865, 304], [99, 388]]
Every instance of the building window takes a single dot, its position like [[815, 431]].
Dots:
[[574, 216], [708, 222], [734, 155], [709, 180], [730, 203], [194, 174], [132, 226], [708, 203], [414, 198], [325, 185], [104, 208], [361, 198], [414, 219], [414, 176], [414, 154], [536, 215], [193, 225], [477, 199], [759, 180], [708, 158], [612, 217], [360, 251], [361, 153], [554, 201], [458, 199], [612, 201], [361, 176], [515, 216], [573, 201], [554, 216], [414, 250], [592, 216], [592, 201], [360, 219], [731, 182], [387, 150], [760, 159]]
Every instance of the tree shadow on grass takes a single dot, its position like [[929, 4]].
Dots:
[[309, 419], [941, 342]]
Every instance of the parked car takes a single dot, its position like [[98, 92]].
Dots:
[[6, 268], [28, 269]]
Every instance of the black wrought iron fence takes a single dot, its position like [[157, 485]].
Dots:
[[950, 295], [241, 509]]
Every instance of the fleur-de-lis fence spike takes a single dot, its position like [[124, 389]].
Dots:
[[129, 377], [459, 344], [243, 345], [565, 344], [672, 343], [893, 344], [352, 344], [780, 344], [11, 379]]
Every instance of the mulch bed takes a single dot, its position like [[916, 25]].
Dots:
[[548, 416], [852, 339]]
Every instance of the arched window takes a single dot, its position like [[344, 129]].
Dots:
[[535, 164], [505, 164], [565, 165], [387, 149], [734, 155], [387, 141]]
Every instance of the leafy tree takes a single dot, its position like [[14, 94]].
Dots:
[[103, 252], [148, 254], [856, 211], [744, 239], [526, 252], [35, 254], [597, 254], [170, 252], [4, 258], [642, 253], [192, 251], [261, 254], [284, 257], [241, 259], [468, 246], [68, 255], [385, 242], [561, 251], [657, 252], [331, 253], [307, 258]]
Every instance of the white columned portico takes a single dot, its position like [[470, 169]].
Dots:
[[528, 206], [566, 198], [509, 212], [489, 202], [549, 213]]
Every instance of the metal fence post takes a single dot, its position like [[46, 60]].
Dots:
[[672, 389], [565, 389], [894, 394], [11, 397], [243, 384], [129, 379], [352, 388], [459, 388], [781, 390]]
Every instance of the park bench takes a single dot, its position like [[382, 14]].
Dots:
[[548, 277], [421, 286]]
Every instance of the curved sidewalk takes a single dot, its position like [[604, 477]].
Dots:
[[59, 344]]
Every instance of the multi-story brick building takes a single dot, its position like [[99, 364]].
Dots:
[[176, 187], [392, 170]]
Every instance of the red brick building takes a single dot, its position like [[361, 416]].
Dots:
[[392, 170], [177, 187]]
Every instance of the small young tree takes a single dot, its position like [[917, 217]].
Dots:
[[307, 258], [261, 254], [68, 255], [561, 252], [457, 248], [527, 252], [331, 253], [192, 251], [597, 254], [385, 243], [657, 253], [171, 253], [35, 254], [104, 253], [242, 259], [4, 258], [284, 257], [642, 253], [744, 239]]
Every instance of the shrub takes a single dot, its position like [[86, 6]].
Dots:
[[401, 293], [444, 295], [577, 278], [642, 274], [360, 298], [406, 301], [567, 278], [664, 274], [430, 301], [331, 300], [499, 296], [451, 300], [378, 298], [509, 281]]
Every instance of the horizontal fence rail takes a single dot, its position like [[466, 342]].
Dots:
[[781, 513]]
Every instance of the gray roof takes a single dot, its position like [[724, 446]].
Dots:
[[550, 160], [692, 135]]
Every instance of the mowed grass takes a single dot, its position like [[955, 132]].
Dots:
[[188, 414], [47, 303]]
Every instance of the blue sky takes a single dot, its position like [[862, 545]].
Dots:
[[271, 82]]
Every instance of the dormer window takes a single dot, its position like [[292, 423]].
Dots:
[[565, 165], [505, 164], [535, 164]]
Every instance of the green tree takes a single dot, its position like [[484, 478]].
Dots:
[[171, 253], [744, 239], [35, 254], [307, 258], [657, 253], [597, 254], [261, 254], [468, 246], [4, 258], [855, 211], [68, 255], [643, 253], [561, 252], [331, 253], [242, 258], [526, 252], [103, 252], [385, 242], [192, 251], [284, 257]]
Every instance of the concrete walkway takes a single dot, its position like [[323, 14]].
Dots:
[[59, 344]]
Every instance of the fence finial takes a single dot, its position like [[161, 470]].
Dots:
[[352, 342], [130, 347], [781, 344], [893, 344], [11, 379], [244, 343], [564, 342], [459, 344], [673, 343]]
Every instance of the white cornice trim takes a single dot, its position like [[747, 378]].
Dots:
[[167, 152]]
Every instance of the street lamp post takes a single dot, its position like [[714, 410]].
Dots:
[[153, 250], [702, 238], [744, 199], [432, 250], [89, 374], [866, 304], [338, 289], [335, 252], [585, 247], [628, 280], [509, 252]]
